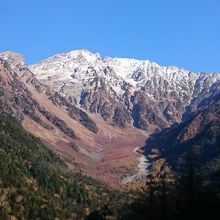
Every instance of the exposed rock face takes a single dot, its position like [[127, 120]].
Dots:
[[146, 114], [100, 101], [74, 112], [127, 91]]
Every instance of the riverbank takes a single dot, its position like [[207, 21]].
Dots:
[[142, 166]]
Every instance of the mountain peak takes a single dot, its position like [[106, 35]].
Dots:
[[81, 55], [13, 57], [89, 56]]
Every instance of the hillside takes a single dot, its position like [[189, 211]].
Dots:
[[199, 135], [36, 184]]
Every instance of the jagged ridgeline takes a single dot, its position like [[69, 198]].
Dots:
[[126, 91], [35, 184]]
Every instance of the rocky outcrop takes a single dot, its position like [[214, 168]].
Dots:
[[146, 114], [60, 124], [99, 101], [74, 112]]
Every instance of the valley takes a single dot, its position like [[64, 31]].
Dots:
[[95, 112], [120, 124]]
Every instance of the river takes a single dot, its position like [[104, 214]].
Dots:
[[143, 165]]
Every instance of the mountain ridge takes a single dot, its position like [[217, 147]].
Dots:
[[111, 85]]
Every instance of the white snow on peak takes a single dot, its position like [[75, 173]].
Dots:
[[76, 71], [13, 57], [87, 55]]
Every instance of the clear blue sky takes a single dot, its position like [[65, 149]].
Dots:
[[185, 33]]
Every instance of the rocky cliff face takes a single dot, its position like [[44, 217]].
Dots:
[[126, 91]]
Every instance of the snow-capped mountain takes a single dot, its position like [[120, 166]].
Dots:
[[126, 91]]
